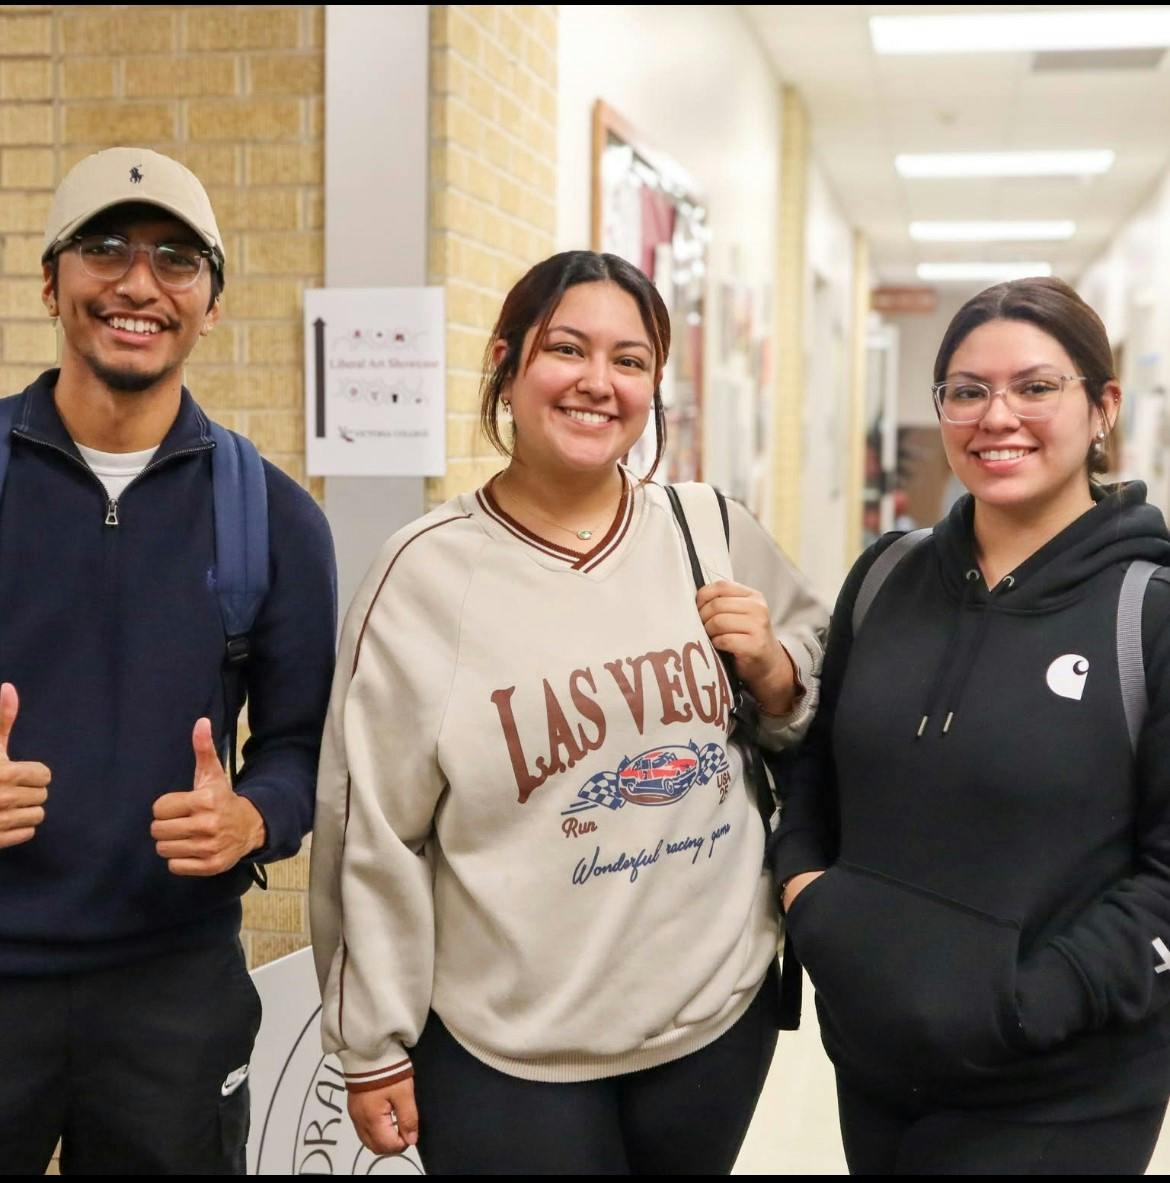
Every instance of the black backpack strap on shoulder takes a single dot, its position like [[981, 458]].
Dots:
[[723, 515], [688, 540], [876, 576]]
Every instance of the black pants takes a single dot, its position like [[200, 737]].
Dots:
[[129, 1066], [883, 1139], [686, 1117]]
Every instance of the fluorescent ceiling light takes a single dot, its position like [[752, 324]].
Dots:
[[1021, 32], [977, 272], [991, 231], [1004, 164]]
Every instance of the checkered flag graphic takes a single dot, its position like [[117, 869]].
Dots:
[[712, 760], [602, 789]]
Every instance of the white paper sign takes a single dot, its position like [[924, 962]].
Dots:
[[375, 390], [299, 1121]]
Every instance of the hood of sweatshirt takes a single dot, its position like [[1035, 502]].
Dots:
[[1120, 528]]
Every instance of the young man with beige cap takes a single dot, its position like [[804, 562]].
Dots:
[[126, 1012]]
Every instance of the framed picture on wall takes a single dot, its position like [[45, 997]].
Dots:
[[647, 209]]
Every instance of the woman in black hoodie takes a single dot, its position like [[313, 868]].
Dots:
[[975, 855]]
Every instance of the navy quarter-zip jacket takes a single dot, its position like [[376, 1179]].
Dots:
[[113, 638], [988, 930]]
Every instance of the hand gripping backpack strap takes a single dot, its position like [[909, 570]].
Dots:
[[744, 710], [789, 986], [240, 497]]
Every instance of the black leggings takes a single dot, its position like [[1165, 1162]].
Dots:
[[882, 1139], [685, 1117]]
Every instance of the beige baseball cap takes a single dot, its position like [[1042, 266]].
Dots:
[[121, 175]]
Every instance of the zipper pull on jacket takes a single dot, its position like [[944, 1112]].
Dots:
[[112, 512]]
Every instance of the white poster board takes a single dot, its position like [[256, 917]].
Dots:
[[375, 391], [299, 1121]]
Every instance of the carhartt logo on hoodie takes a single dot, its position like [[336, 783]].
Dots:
[[1067, 676]]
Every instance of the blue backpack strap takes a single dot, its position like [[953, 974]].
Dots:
[[240, 495], [880, 569]]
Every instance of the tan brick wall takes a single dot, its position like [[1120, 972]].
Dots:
[[236, 93], [493, 192]]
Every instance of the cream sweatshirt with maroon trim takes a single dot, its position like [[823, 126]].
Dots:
[[529, 816]]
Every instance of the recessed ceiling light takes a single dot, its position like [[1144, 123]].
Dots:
[[1004, 164], [977, 272], [1021, 32], [991, 231]]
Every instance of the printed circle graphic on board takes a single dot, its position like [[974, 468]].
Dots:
[[307, 1130], [658, 777]]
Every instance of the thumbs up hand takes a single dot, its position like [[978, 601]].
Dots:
[[208, 830], [23, 783]]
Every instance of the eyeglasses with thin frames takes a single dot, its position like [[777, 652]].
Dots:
[[109, 257], [1034, 397]]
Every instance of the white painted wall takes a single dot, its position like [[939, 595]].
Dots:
[[696, 85], [825, 506], [1129, 286]]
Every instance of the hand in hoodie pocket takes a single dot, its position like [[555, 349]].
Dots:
[[907, 980]]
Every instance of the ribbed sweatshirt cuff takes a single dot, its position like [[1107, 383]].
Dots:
[[362, 1076]]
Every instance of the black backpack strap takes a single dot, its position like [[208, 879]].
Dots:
[[787, 981], [688, 540]]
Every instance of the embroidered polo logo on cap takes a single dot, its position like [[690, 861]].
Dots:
[[136, 175], [1067, 676]]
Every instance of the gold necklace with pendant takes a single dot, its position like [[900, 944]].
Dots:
[[584, 534]]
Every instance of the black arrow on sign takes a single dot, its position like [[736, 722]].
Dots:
[[319, 345]]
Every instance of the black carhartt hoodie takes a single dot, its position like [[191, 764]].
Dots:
[[994, 926]]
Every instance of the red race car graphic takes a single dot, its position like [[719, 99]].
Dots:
[[658, 777]]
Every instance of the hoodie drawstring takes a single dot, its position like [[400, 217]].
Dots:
[[970, 579], [969, 658]]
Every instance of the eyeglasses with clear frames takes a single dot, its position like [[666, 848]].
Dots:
[[108, 257], [1035, 397]]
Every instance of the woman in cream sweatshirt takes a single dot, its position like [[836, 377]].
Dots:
[[539, 913]]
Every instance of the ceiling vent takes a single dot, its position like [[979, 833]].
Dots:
[[1098, 59]]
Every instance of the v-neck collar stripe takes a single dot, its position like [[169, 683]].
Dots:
[[617, 531], [577, 561], [492, 509]]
